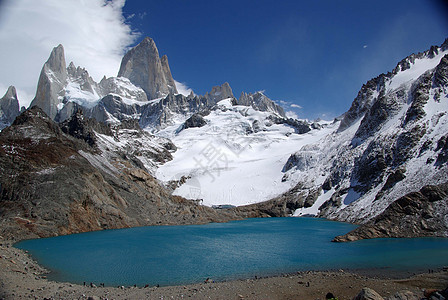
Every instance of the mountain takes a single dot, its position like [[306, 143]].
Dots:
[[52, 81], [144, 68], [9, 107], [391, 142], [144, 90], [81, 175], [383, 161]]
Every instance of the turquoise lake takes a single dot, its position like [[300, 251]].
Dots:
[[172, 255]]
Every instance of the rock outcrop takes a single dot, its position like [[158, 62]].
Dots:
[[144, 68], [260, 102], [219, 92], [416, 214], [195, 120], [9, 107]]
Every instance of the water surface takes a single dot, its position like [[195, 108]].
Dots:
[[172, 255]]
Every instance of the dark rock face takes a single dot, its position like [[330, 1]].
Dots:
[[9, 107], [83, 128], [362, 103], [144, 68], [53, 184], [420, 96], [417, 214], [195, 120], [281, 206], [300, 127]]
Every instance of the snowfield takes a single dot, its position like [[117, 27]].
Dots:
[[226, 163]]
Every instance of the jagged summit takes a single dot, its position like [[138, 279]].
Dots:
[[11, 93], [144, 68], [220, 92], [259, 101], [56, 61], [52, 81], [9, 107]]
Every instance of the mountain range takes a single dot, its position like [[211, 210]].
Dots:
[[130, 150]]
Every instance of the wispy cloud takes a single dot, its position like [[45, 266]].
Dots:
[[182, 88], [296, 106], [93, 33], [291, 114]]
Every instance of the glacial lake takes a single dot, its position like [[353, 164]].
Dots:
[[174, 255]]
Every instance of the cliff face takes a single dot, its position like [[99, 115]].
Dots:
[[422, 213], [52, 183], [52, 80], [144, 68]]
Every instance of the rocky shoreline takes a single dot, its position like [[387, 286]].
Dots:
[[22, 278]]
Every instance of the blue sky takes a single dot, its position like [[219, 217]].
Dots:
[[315, 54], [312, 54]]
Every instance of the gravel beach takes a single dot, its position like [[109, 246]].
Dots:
[[23, 278]]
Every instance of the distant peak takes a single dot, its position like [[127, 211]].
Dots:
[[149, 44], [144, 68], [11, 93], [56, 61]]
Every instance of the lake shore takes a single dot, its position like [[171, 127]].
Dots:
[[23, 278]]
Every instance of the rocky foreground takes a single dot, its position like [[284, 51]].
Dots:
[[22, 278]]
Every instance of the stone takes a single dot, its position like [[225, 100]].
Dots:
[[404, 295], [368, 294]]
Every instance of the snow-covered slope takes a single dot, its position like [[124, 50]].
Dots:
[[391, 142], [236, 158]]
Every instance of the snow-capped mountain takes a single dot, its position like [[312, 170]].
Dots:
[[390, 142], [393, 140]]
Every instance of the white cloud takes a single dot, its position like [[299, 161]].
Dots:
[[93, 33], [296, 106], [291, 114], [182, 88]]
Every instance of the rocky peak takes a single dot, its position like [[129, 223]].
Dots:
[[9, 107], [56, 62], [361, 104], [259, 101], [167, 72], [52, 81], [219, 92], [144, 68], [11, 93]]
